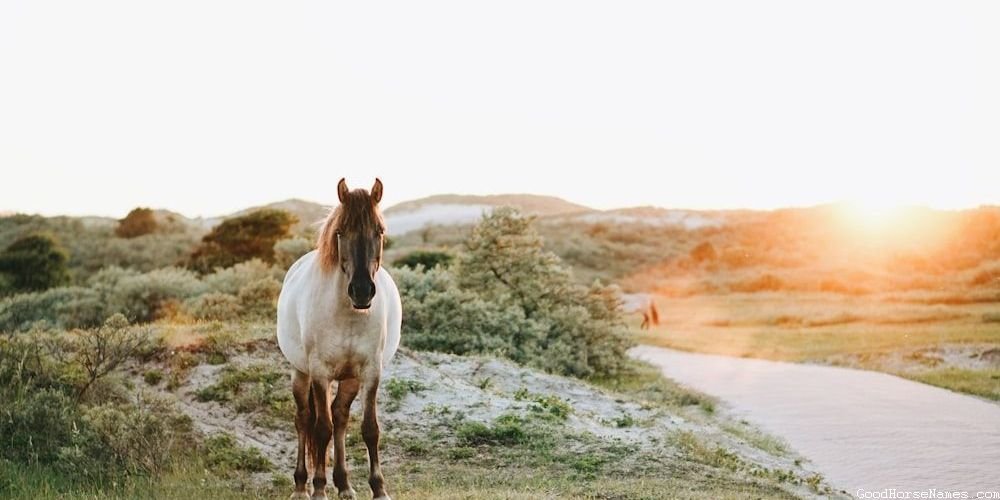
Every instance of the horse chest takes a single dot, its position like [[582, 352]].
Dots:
[[343, 349]]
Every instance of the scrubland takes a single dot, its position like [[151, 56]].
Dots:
[[136, 378]]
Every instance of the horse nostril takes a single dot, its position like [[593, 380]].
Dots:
[[373, 291]]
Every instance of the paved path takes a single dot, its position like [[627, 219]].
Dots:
[[861, 429]]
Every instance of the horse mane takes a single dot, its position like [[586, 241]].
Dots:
[[357, 213]]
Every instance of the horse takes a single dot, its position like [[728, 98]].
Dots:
[[339, 316], [650, 316]]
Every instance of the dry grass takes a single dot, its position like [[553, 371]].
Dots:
[[877, 332]]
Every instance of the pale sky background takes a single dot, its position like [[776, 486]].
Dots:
[[207, 106]]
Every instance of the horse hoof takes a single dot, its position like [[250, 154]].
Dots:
[[348, 494], [320, 496], [383, 497], [299, 495]]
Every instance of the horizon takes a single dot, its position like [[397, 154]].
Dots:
[[858, 209]]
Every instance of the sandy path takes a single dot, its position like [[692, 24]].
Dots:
[[860, 429]]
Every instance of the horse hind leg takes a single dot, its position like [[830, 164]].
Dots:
[[304, 417]]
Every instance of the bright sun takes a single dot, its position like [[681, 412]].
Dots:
[[886, 223]]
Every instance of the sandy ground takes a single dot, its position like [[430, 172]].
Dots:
[[861, 429], [480, 389]]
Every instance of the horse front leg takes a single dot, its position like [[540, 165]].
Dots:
[[303, 427], [322, 431], [370, 432], [347, 390]]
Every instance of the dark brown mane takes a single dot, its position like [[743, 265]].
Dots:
[[357, 214]]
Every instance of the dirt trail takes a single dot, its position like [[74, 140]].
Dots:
[[861, 429]]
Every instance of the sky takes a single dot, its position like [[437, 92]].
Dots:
[[206, 107]]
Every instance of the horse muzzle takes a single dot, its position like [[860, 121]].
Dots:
[[361, 294]]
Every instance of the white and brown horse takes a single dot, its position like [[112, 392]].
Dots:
[[339, 316]]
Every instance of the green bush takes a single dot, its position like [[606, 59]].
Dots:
[[140, 437], [225, 456], [141, 297], [506, 430], [44, 422], [69, 307], [508, 296], [214, 306], [242, 238], [429, 259], [249, 388], [231, 280], [260, 298], [34, 262], [442, 317], [289, 250]]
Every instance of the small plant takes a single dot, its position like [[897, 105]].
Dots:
[[398, 388], [153, 377], [461, 452], [587, 465], [547, 406], [102, 351], [485, 383], [435, 409], [224, 455], [625, 420], [507, 429], [251, 389]]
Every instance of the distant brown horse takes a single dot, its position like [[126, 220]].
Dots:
[[339, 316], [650, 316]]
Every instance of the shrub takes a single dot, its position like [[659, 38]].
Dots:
[[231, 280], [442, 317], [506, 430], [567, 328], [242, 238], [139, 438], [704, 252], [252, 388], [225, 456], [70, 307], [140, 297], [260, 298], [426, 258], [102, 351], [138, 222], [34, 262], [214, 306], [508, 296], [41, 422], [986, 277], [289, 250]]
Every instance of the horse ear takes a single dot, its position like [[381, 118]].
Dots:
[[377, 190], [342, 189]]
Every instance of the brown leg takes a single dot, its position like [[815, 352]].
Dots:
[[347, 390], [322, 431], [370, 432], [303, 427]]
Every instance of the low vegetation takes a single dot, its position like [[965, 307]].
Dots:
[[143, 380], [507, 295]]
